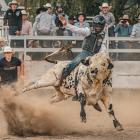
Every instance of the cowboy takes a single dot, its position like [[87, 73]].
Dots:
[[13, 18], [11, 68], [92, 44], [109, 18]]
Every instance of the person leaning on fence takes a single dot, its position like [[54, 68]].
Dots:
[[136, 29], [2, 44], [43, 25], [109, 18], [13, 18], [136, 33], [11, 68], [81, 23], [123, 29], [92, 44]]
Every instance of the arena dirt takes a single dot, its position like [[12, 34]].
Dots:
[[32, 117]]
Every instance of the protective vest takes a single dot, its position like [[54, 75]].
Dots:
[[93, 42]]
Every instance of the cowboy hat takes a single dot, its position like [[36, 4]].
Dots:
[[7, 49], [48, 5], [105, 5], [125, 17], [13, 2], [79, 14], [23, 12]]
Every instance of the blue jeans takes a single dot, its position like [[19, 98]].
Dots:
[[71, 66]]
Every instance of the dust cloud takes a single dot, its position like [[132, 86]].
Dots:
[[30, 115]]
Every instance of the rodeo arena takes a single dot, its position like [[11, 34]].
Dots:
[[68, 77]]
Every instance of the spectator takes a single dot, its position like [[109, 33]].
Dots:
[[136, 29], [11, 68], [43, 25], [13, 18], [123, 29], [26, 25], [60, 12], [2, 43], [136, 33], [109, 17], [81, 23]]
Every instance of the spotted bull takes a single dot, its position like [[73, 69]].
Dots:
[[90, 81]]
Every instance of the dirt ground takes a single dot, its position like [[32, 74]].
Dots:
[[62, 121]]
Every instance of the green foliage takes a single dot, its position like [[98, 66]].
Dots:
[[90, 7]]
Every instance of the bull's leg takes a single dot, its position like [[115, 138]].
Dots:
[[58, 97], [106, 99], [38, 84], [82, 100]]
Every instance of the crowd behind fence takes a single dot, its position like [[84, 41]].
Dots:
[[132, 52]]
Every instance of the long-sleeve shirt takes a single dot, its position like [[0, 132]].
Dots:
[[123, 31], [83, 25], [43, 22], [109, 18], [26, 28], [86, 31], [136, 30], [13, 18]]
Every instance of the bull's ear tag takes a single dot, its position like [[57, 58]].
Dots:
[[85, 62], [110, 66]]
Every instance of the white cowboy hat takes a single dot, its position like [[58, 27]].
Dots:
[[23, 12], [13, 2], [7, 49], [105, 5], [48, 5]]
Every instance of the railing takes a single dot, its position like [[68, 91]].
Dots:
[[25, 49]]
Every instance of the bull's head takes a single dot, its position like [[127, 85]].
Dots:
[[99, 65]]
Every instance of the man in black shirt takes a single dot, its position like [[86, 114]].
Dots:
[[10, 67], [13, 18]]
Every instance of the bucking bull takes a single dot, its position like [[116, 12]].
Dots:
[[90, 80]]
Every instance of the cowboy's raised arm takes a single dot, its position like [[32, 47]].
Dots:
[[84, 31]]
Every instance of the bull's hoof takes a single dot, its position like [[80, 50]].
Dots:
[[97, 107], [117, 125], [83, 119]]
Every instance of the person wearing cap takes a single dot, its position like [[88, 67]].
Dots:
[[81, 23], [11, 68], [109, 17], [123, 29], [136, 29], [13, 18]]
